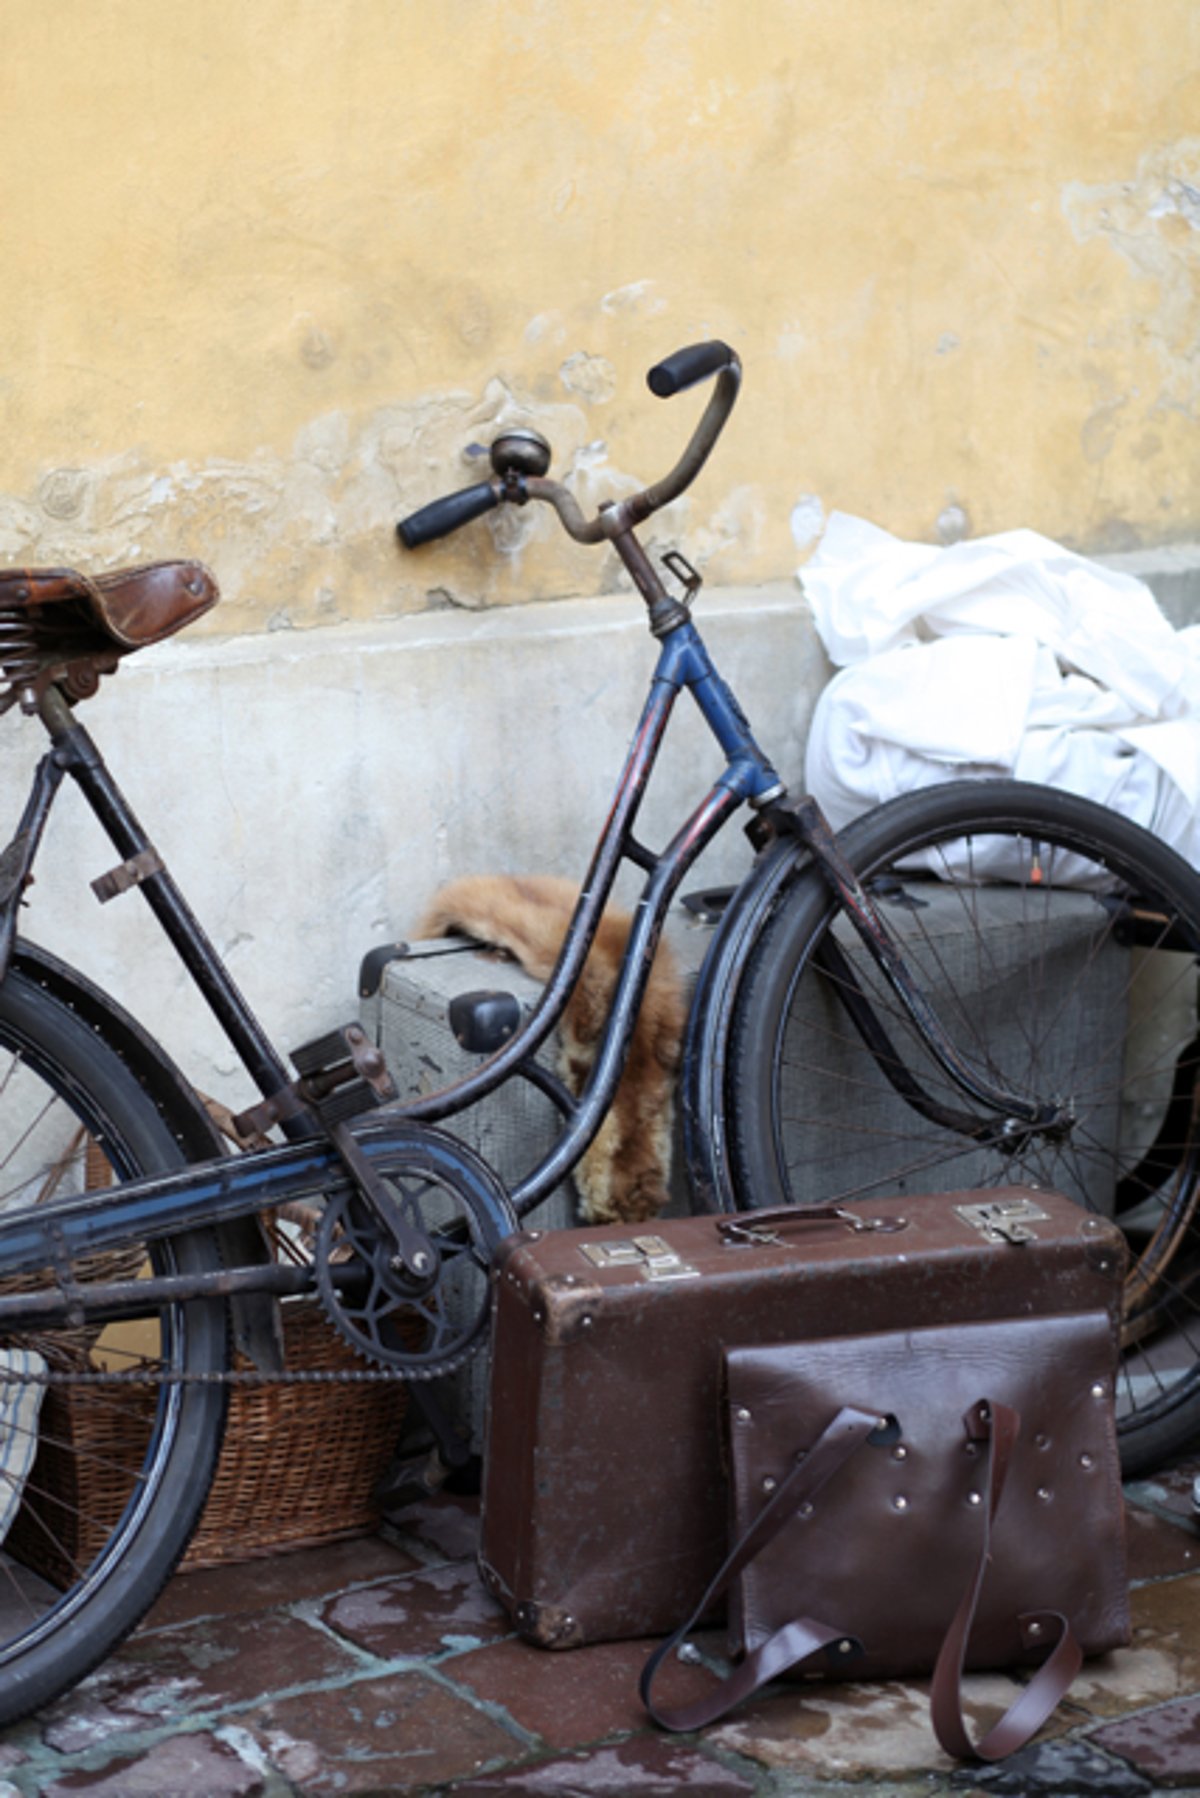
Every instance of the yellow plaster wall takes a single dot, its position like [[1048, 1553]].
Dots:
[[269, 266]]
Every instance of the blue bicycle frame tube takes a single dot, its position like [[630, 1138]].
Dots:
[[685, 661], [211, 1192]]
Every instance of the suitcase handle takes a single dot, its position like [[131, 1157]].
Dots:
[[763, 1226]]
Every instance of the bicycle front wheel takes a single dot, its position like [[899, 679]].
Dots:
[[108, 1441], [1058, 945]]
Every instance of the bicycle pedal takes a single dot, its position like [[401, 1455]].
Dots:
[[329, 1051], [339, 1058], [347, 1102]]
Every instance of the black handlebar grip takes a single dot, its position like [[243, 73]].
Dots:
[[442, 516], [687, 366]]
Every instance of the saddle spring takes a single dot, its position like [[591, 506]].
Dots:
[[19, 660]]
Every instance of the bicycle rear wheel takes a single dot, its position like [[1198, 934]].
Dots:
[[1058, 944], [106, 1455]]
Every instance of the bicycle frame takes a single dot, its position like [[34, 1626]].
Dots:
[[212, 1192], [218, 1191], [316, 1162]]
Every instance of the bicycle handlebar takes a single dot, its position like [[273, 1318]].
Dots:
[[688, 366], [677, 372], [441, 516]]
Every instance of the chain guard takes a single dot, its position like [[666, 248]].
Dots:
[[419, 1330]]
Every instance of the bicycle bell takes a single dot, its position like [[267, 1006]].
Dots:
[[520, 451]]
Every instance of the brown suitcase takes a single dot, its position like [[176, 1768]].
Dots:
[[604, 1504]]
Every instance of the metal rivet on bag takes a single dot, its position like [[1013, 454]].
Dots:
[[899, 1503], [972, 1448], [1045, 1494], [805, 1510], [900, 1453], [1099, 1390], [687, 1651], [1086, 1461], [769, 1484], [742, 1414], [586, 1321], [845, 1648], [974, 1498], [1042, 1441], [1034, 1629]]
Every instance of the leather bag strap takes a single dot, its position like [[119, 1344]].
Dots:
[[1000, 1425], [805, 1637], [798, 1640]]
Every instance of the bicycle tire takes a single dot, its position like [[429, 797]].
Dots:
[[1058, 942], [120, 1472]]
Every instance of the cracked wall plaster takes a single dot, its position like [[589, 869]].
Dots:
[[307, 538], [1153, 223]]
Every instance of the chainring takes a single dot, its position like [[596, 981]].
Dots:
[[419, 1329]]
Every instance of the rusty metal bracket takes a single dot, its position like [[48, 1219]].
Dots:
[[278, 1109], [690, 578], [129, 874]]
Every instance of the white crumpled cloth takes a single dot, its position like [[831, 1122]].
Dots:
[[1005, 656]]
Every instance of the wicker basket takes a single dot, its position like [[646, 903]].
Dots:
[[299, 1463], [297, 1469]]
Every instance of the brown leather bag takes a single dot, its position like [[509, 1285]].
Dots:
[[926, 1499]]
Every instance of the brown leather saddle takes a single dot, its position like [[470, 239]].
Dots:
[[59, 625]]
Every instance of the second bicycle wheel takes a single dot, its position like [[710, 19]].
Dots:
[[108, 1434], [1057, 943]]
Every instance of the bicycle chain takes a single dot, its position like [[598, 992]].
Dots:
[[319, 1376]]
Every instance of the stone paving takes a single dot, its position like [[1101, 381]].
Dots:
[[381, 1666]]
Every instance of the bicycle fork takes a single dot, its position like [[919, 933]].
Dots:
[[1017, 1116]]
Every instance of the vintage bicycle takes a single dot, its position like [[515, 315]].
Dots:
[[981, 984]]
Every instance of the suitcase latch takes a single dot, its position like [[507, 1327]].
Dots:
[[653, 1257], [1003, 1220]]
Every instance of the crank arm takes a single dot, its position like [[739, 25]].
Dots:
[[413, 1248], [211, 1192]]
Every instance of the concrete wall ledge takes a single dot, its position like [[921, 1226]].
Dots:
[[1172, 572]]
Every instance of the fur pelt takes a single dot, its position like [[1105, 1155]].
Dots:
[[624, 1174]]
